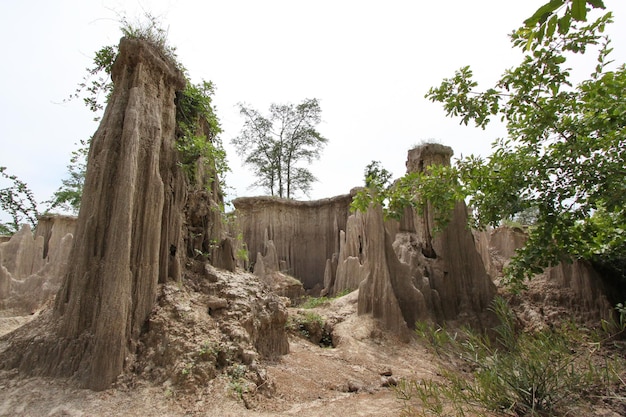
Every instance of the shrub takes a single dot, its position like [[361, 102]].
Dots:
[[312, 327], [511, 373], [312, 302]]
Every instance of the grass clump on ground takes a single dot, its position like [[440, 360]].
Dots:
[[312, 302], [553, 372]]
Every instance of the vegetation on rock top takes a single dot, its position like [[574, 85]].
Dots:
[[197, 142], [563, 159]]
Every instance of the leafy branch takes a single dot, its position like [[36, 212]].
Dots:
[[18, 201]]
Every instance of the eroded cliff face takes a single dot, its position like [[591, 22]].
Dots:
[[433, 276], [569, 289], [143, 221], [32, 265], [305, 233], [404, 272]]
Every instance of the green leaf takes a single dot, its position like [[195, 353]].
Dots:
[[564, 24], [529, 43], [579, 10], [551, 26], [543, 12], [596, 4]]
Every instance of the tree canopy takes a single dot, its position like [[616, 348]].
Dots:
[[564, 157], [274, 145], [17, 200]]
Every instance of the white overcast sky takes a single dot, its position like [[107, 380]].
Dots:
[[368, 62]]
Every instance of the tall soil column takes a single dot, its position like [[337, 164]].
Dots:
[[117, 256]]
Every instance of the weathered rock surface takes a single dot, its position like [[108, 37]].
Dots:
[[571, 289], [186, 343], [32, 266], [413, 273], [305, 233], [268, 268], [497, 246], [404, 271], [141, 223]]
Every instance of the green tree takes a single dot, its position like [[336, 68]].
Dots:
[[18, 201], [564, 155], [69, 194], [273, 146]]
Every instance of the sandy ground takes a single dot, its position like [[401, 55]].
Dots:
[[309, 381]]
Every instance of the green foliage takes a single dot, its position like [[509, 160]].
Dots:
[[69, 195], [149, 29], [312, 302], [5, 229], [563, 159], [96, 87], [311, 326], [436, 188], [615, 327], [557, 15], [514, 373], [198, 126], [238, 383], [377, 183], [273, 146], [242, 252], [376, 176], [18, 201]]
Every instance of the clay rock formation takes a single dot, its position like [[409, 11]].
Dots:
[[404, 271], [135, 229], [188, 345], [568, 289], [32, 266], [305, 233], [268, 268], [497, 247], [412, 273]]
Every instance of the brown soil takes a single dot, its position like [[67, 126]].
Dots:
[[347, 379], [311, 380]]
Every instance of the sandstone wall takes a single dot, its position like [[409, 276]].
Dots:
[[32, 265], [304, 233], [404, 271], [572, 289]]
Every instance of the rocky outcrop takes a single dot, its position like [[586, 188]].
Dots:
[[497, 246], [188, 345], [404, 270], [143, 219], [412, 273], [570, 289], [268, 268], [305, 233], [32, 266]]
